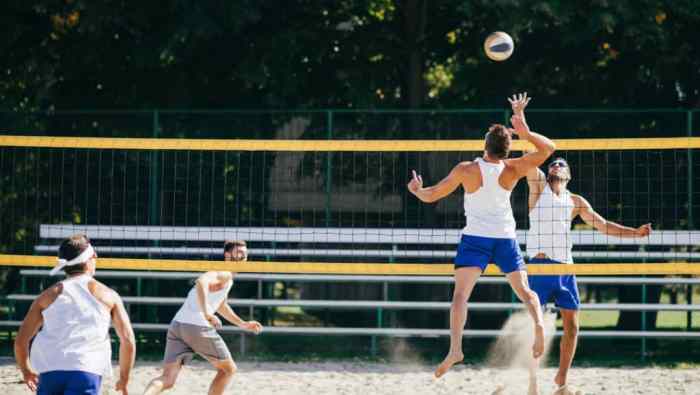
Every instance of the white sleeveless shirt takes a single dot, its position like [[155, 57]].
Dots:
[[488, 210], [550, 226], [75, 332], [191, 313]]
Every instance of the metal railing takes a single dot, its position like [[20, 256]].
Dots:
[[381, 305]]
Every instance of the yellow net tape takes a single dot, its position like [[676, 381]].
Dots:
[[602, 269], [335, 145]]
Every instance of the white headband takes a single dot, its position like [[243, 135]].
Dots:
[[82, 258]]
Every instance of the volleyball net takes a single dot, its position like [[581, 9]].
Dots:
[[322, 206]]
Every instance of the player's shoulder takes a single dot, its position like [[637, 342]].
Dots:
[[224, 276], [468, 166], [217, 276], [103, 292], [49, 295], [515, 166], [579, 201]]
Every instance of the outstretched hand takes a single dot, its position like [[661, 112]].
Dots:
[[253, 326], [644, 230], [416, 183], [520, 127], [518, 102]]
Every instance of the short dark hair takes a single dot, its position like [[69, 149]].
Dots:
[[498, 141], [231, 244], [70, 248]]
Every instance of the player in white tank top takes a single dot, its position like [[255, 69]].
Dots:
[[552, 209], [193, 329], [490, 231], [72, 351]]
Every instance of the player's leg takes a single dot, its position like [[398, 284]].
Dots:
[[224, 373], [506, 253], [543, 286], [166, 380], [465, 279], [177, 351], [473, 255], [567, 346], [568, 301], [207, 342], [518, 281]]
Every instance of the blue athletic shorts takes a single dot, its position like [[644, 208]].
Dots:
[[562, 289], [69, 382], [477, 251]]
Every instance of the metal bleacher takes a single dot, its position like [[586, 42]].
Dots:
[[390, 243]]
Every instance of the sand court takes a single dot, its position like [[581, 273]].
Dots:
[[366, 378]]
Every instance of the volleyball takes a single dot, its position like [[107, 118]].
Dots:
[[498, 46]]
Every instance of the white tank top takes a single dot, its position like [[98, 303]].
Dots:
[[75, 332], [191, 313], [488, 210], [550, 226]]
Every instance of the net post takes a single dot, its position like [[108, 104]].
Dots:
[[329, 170], [689, 301], [644, 323], [691, 224], [689, 123], [139, 293], [153, 179]]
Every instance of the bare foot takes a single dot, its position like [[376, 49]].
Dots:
[[532, 388], [447, 363], [560, 380], [538, 346], [500, 388], [566, 390]]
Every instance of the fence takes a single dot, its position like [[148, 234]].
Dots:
[[138, 188], [381, 306]]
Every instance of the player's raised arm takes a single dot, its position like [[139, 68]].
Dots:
[[536, 179], [544, 147], [439, 190], [592, 218]]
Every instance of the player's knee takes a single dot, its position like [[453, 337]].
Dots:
[[229, 368], [460, 297], [168, 382], [529, 296], [571, 328]]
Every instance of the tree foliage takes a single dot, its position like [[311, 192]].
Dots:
[[345, 53]]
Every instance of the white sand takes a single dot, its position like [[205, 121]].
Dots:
[[402, 379]]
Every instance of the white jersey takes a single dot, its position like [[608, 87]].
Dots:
[[488, 210], [75, 332], [550, 226], [191, 313]]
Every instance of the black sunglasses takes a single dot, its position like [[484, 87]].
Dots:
[[559, 163]]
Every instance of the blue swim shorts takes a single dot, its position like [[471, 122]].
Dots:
[[69, 382], [563, 289], [477, 251]]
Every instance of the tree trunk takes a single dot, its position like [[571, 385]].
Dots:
[[632, 320], [414, 20]]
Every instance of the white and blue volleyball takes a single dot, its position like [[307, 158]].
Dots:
[[498, 46]]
